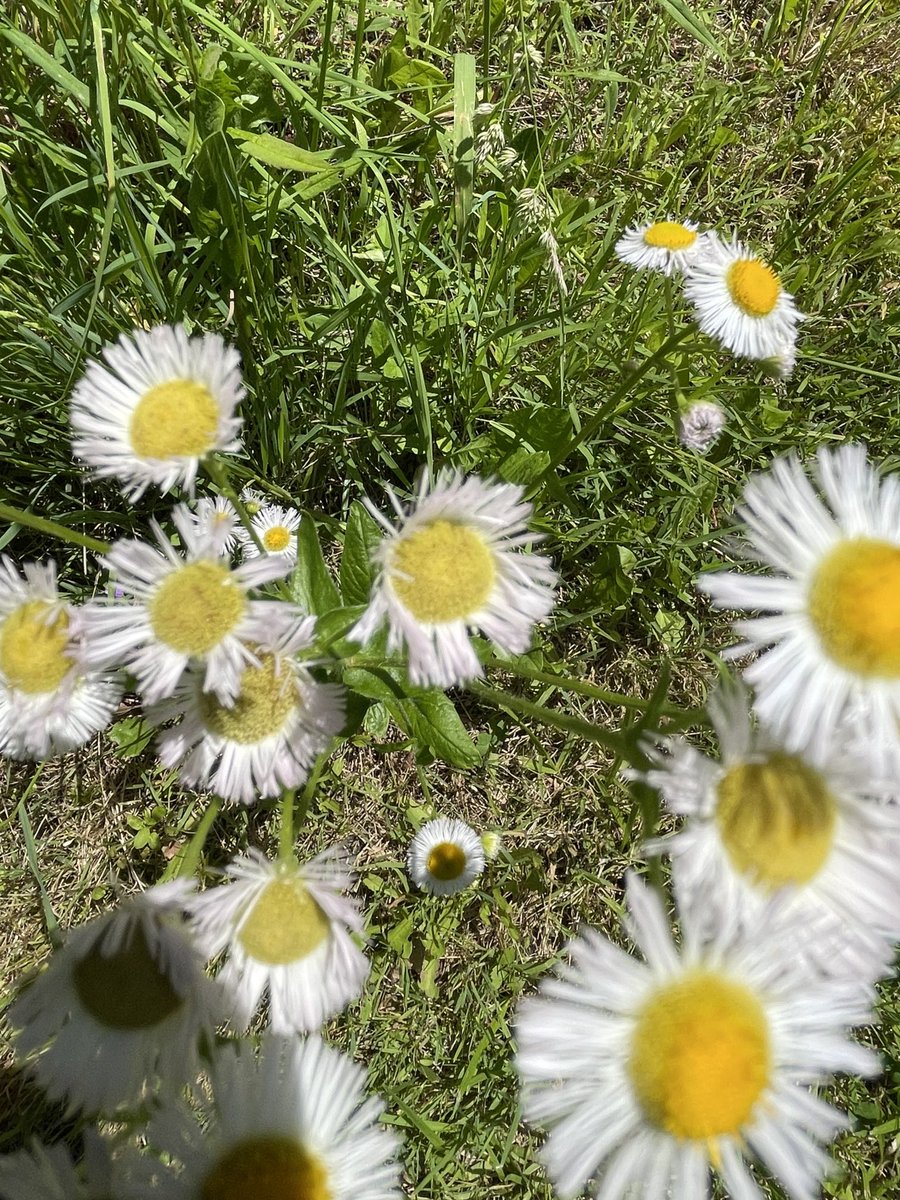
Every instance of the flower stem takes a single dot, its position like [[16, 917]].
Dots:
[[566, 683], [218, 473], [187, 863], [286, 832], [53, 528]]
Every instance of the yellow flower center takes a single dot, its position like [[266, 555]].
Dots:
[[700, 1056], [754, 286], [854, 605], [446, 860], [177, 418], [776, 820], [33, 648], [284, 925], [267, 698], [276, 539], [443, 572], [267, 1168], [128, 989], [669, 235], [196, 606]]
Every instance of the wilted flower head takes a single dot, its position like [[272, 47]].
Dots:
[[701, 425]]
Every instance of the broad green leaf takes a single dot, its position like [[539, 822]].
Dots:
[[310, 583], [210, 112], [48, 64], [415, 72], [684, 15], [524, 466], [130, 736], [362, 536], [276, 152]]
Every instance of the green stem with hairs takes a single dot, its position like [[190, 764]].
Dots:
[[218, 473], [186, 865], [286, 832], [53, 528], [566, 683]]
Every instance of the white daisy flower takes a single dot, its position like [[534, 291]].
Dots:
[[124, 1000], [48, 703], [445, 856], [763, 819], [830, 656], [453, 564], [267, 739], [287, 930], [49, 1172], [740, 301], [197, 608], [162, 402], [701, 426], [666, 246], [216, 519], [294, 1121], [276, 528], [648, 1074], [252, 500]]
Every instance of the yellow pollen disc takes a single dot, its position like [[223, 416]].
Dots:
[[266, 699], [854, 605], [267, 1168], [700, 1056], [776, 820], [446, 860], [444, 572], [284, 925], [178, 418], [196, 606], [125, 990], [669, 235], [753, 286], [276, 539], [32, 649]]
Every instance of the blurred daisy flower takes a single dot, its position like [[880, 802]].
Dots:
[[763, 819], [665, 246], [456, 563], [124, 1000], [649, 1074], [701, 425], [288, 931], [827, 661], [158, 406], [740, 301], [50, 1173], [276, 528], [48, 702], [292, 1122], [216, 519], [193, 609], [268, 736], [445, 856]]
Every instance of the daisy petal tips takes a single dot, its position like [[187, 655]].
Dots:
[[454, 563], [829, 653], [160, 404], [740, 301]]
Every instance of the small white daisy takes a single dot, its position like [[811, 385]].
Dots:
[[276, 528], [445, 856], [124, 1000], [216, 519], [287, 931], [197, 608], [252, 500], [830, 655], [701, 426], [162, 402], [292, 1122], [48, 703], [267, 739], [740, 301], [648, 1074], [666, 246], [456, 563], [763, 819]]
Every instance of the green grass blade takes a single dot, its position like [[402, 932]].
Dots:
[[463, 134], [685, 16]]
